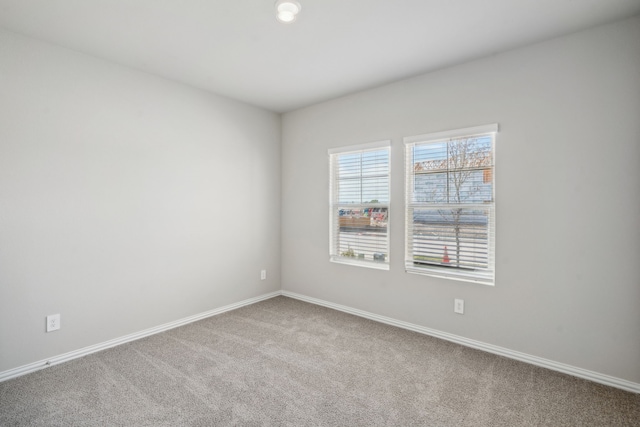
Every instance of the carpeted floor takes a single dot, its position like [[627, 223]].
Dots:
[[283, 362]]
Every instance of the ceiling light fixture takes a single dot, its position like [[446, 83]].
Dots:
[[287, 10]]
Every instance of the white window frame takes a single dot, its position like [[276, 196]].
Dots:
[[334, 205], [482, 275]]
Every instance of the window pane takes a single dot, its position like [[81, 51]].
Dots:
[[468, 186], [349, 190], [432, 156], [455, 237], [349, 165], [362, 234], [375, 163], [363, 177], [375, 190], [431, 187]]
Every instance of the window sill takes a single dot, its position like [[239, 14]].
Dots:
[[366, 264], [482, 278]]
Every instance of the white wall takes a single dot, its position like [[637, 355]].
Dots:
[[126, 200], [567, 199]]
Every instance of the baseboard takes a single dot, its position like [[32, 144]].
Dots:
[[490, 348], [36, 366]]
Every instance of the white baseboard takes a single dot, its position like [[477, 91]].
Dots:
[[490, 348], [36, 366]]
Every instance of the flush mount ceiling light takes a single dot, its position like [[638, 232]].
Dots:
[[287, 10]]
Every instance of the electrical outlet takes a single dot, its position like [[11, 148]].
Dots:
[[53, 322], [458, 306], [263, 274]]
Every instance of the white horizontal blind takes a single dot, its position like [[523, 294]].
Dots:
[[450, 221], [359, 205]]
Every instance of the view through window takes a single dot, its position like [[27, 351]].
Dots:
[[450, 204], [359, 205]]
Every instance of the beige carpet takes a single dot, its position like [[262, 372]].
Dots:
[[283, 362]]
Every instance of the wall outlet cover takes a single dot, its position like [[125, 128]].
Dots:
[[53, 322], [458, 306]]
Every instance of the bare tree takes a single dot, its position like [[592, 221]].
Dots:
[[465, 159]]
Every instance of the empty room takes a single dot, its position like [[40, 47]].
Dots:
[[320, 213]]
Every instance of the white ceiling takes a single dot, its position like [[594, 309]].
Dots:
[[237, 48]]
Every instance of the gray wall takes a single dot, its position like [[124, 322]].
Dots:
[[567, 199], [126, 200]]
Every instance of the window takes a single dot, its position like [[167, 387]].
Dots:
[[450, 219], [359, 205]]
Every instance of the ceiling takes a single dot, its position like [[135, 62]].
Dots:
[[238, 49]]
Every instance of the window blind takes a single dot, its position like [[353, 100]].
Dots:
[[450, 214], [359, 204]]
